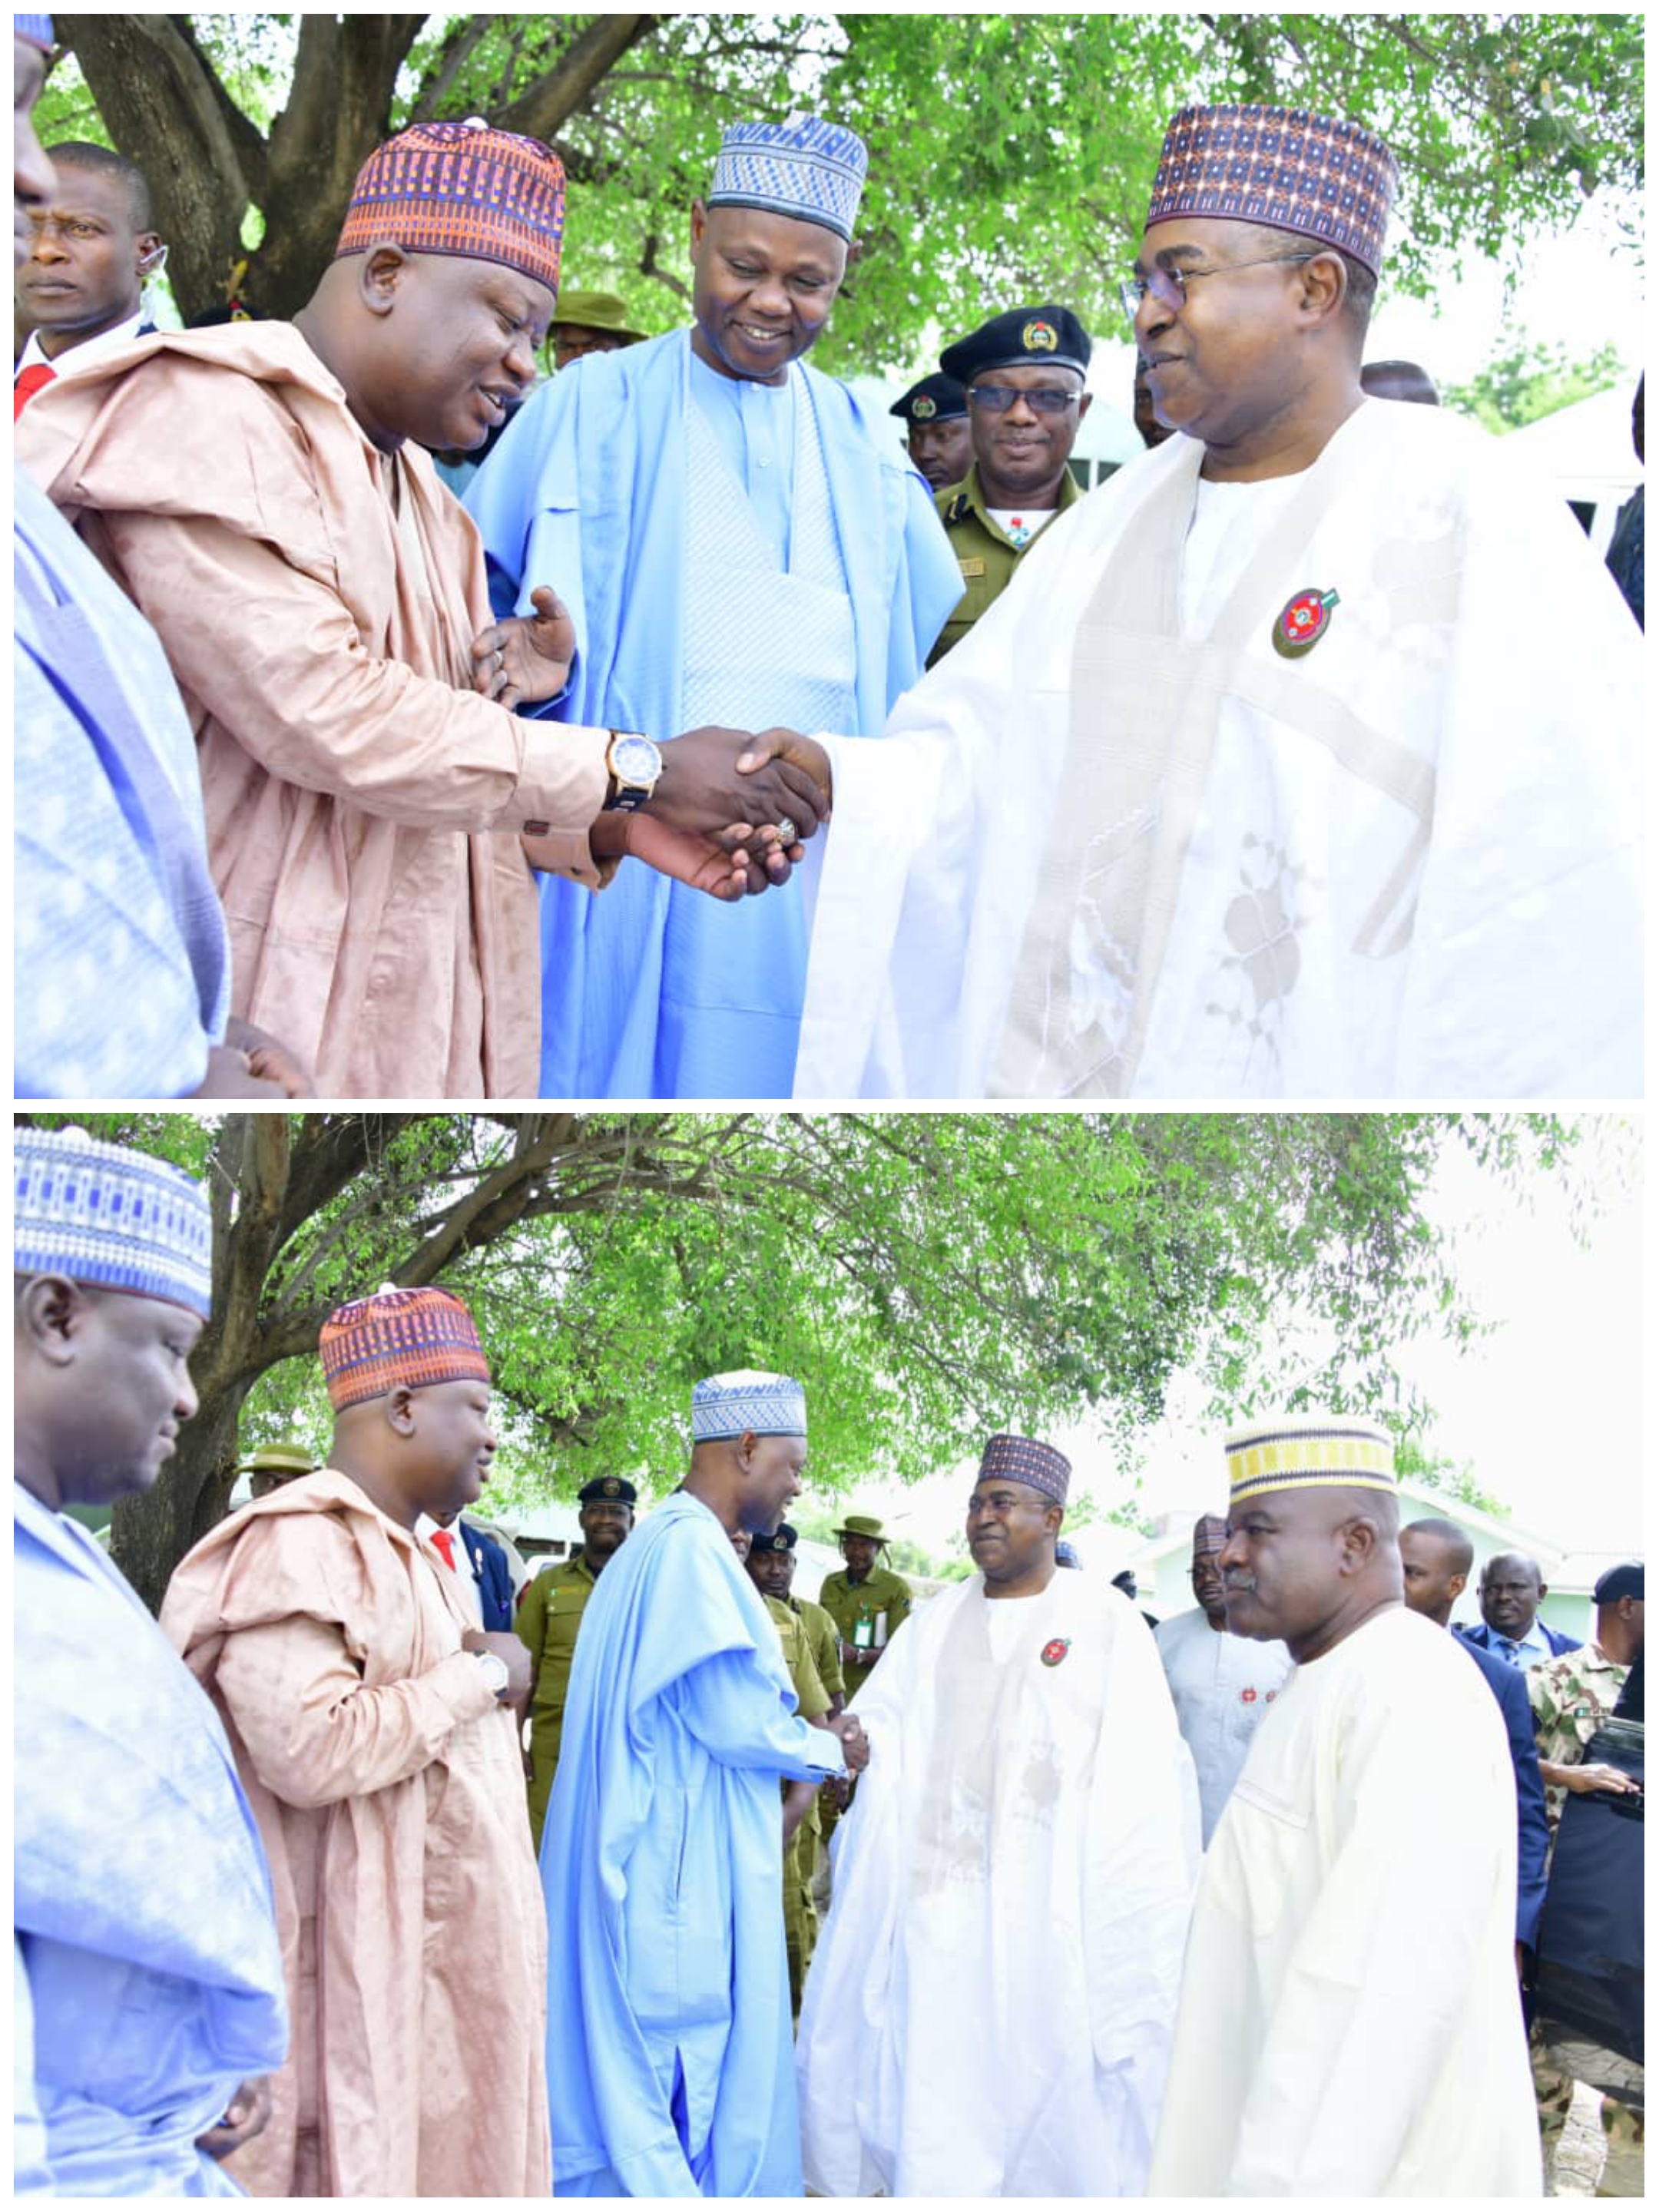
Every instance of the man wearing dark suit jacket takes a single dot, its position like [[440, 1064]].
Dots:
[[1511, 1589], [1436, 1557]]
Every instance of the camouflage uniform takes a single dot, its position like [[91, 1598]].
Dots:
[[801, 1919], [1571, 1695]]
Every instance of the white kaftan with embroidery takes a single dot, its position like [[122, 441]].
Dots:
[[988, 2010], [1116, 845]]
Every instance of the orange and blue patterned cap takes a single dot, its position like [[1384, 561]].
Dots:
[[415, 1338], [1283, 167], [466, 189]]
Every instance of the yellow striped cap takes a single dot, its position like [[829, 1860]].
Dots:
[[1307, 1451]]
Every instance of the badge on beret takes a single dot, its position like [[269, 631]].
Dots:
[[612, 1488], [1304, 621], [1054, 1652], [923, 409], [1039, 338]]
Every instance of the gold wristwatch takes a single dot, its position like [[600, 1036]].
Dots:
[[634, 764]]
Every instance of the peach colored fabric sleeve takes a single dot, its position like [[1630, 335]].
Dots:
[[317, 1734], [274, 654]]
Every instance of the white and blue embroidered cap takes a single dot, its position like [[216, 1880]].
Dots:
[[804, 167], [746, 1399], [103, 1214]]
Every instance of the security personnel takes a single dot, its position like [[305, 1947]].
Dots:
[[935, 415], [801, 1919], [548, 1617], [589, 322], [772, 1570], [866, 1602], [1023, 372]]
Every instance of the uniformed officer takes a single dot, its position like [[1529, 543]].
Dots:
[[772, 1569], [1571, 1695], [1023, 372], [272, 1465], [548, 1617], [866, 1602], [800, 1816], [589, 322], [934, 414]]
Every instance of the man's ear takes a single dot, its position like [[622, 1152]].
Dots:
[[384, 267]]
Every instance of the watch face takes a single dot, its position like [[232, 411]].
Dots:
[[635, 760]]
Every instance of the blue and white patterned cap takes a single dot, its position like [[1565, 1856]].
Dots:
[[812, 170], [727, 1405], [101, 1213], [37, 29]]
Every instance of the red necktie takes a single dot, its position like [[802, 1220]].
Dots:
[[25, 387], [446, 1544]]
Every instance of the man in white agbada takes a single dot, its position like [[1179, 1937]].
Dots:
[[1299, 760], [989, 2007], [1224, 1685], [1350, 2023]]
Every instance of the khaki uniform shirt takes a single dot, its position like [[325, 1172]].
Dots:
[[986, 558], [826, 1647], [547, 1622], [1571, 1695], [882, 1600]]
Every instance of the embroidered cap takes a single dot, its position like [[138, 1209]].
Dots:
[[415, 1338], [464, 189], [804, 168], [106, 1215], [1308, 1451], [1209, 1535], [747, 1400], [1328, 179], [607, 1490], [37, 29], [936, 398], [1021, 1458]]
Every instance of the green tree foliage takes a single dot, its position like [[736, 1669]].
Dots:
[[1526, 382], [1414, 1461], [1010, 154], [929, 1278]]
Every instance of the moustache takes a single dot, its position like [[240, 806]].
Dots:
[[1236, 1586]]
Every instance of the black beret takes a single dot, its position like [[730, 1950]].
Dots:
[[1620, 1582], [607, 1490], [782, 1539], [936, 399], [1024, 334]]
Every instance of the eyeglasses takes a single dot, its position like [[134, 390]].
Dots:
[[997, 399], [1169, 286]]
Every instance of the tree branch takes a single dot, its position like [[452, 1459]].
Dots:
[[542, 112]]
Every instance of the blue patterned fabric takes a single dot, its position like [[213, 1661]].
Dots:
[[590, 488], [147, 1980], [726, 1405], [804, 167], [101, 1214], [121, 964], [37, 29]]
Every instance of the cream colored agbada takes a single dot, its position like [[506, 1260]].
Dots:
[[389, 1791], [318, 600]]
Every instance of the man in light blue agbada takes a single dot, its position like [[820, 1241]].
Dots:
[[146, 1978], [737, 543], [670, 2067]]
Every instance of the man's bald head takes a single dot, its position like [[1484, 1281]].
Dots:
[[1435, 1559]]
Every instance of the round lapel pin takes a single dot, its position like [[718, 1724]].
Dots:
[[1055, 1650], [1303, 622]]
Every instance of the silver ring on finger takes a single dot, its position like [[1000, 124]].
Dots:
[[788, 832]]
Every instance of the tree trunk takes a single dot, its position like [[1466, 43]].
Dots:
[[151, 1532]]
